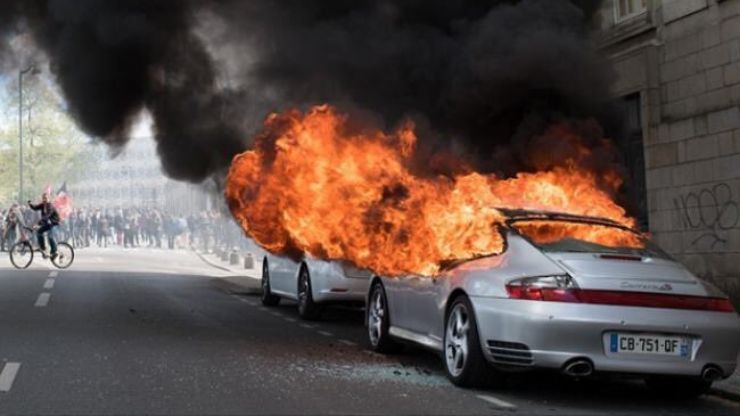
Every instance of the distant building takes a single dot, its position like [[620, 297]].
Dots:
[[678, 72], [134, 178]]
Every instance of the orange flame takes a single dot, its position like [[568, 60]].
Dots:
[[548, 232], [313, 186]]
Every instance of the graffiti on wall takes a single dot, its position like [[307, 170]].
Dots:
[[713, 211]]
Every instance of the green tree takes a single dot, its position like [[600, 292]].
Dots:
[[54, 149]]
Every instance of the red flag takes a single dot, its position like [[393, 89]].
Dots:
[[62, 202]]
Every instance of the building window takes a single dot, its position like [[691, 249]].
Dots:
[[625, 9]]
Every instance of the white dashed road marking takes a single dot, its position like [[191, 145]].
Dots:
[[7, 376], [348, 342], [53, 274], [325, 333], [307, 326], [496, 401], [42, 300], [49, 283], [290, 319]]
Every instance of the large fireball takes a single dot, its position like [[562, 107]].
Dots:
[[312, 186]]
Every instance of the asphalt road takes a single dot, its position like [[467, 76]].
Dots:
[[156, 332]]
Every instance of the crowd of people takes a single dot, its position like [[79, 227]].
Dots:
[[128, 228]]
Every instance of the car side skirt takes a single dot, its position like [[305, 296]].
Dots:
[[423, 340]]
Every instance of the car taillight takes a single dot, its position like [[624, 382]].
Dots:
[[722, 305], [548, 288], [564, 289]]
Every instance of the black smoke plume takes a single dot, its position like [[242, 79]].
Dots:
[[114, 58], [481, 77], [488, 74]]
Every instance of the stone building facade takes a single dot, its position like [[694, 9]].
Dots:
[[677, 64]]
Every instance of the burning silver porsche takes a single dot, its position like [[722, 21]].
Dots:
[[561, 297]]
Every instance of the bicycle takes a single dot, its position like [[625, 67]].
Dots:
[[21, 253]]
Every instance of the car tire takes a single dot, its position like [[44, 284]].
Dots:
[[268, 299], [465, 364], [377, 319], [307, 308], [680, 387]]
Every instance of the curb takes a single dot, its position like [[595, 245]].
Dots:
[[729, 394], [210, 263], [235, 282], [232, 271]]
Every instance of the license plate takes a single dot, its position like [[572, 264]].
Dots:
[[621, 343]]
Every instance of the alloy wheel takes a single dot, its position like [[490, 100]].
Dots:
[[307, 308], [456, 341], [375, 316], [265, 281], [303, 290]]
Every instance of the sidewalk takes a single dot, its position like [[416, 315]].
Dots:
[[729, 388], [247, 280]]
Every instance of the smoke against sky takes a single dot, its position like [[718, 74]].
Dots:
[[482, 72], [113, 59], [480, 78]]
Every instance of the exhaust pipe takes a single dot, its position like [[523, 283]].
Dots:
[[711, 373], [579, 367]]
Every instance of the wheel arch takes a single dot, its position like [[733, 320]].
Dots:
[[451, 298], [373, 281]]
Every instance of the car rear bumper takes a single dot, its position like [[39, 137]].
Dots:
[[549, 334]]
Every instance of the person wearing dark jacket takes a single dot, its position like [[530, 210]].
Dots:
[[10, 227], [49, 220]]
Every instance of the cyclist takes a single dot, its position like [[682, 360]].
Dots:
[[49, 220]]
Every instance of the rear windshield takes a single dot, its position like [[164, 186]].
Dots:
[[574, 236]]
